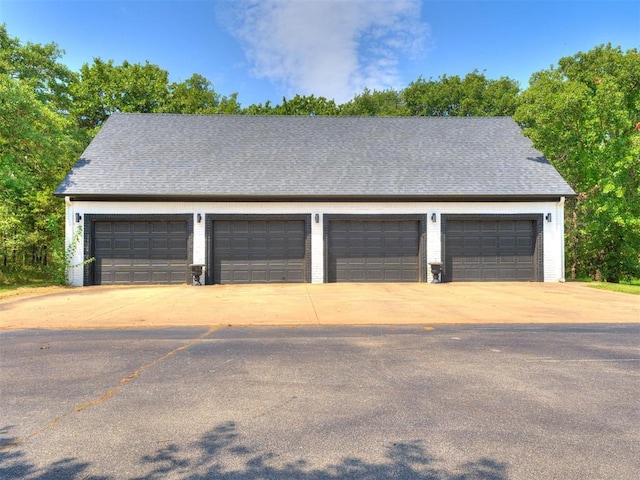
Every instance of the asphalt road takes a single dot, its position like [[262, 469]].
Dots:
[[454, 403]]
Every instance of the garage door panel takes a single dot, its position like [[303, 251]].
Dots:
[[239, 245], [374, 275], [157, 227], [489, 243], [103, 227], [507, 243], [474, 227], [506, 226], [258, 251], [160, 262], [257, 244], [240, 227], [178, 227], [471, 243], [487, 227], [373, 250], [141, 244], [525, 243], [122, 244], [489, 250], [276, 243], [256, 227], [223, 243], [121, 227], [412, 242], [508, 260], [356, 243], [376, 242], [274, 227], [160, 244], [122, 262], [138, 252], [121, 277], [339, 242], [393, 261], [103, 243]]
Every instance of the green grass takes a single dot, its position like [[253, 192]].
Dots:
[[632, 287], [17, 282]]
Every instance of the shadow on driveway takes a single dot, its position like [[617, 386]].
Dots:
[[220, 453]]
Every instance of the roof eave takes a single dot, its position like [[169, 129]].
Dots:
[[315, 198]]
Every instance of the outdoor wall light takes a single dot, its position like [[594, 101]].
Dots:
[[433, 217], [78, 217], [199, 217], [317, 218], [548, 217]]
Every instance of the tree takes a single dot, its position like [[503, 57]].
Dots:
[[584, 115], [38, 67], [196, 95], [386, 103], [298, 105], [475, 95], [38, 145], [258, 109], [105, 88]]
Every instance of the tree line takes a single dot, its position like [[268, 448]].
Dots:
[[583, 114]]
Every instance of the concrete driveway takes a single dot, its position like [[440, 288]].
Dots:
[[324, 304]]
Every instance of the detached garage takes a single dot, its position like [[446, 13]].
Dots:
[[269, 199]]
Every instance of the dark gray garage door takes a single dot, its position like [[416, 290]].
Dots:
[[258, 251], [373, 251], [140, 252], [490, 250]]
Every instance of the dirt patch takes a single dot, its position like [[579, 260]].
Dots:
[[31, 291]]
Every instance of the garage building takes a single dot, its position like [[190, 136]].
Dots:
[[260, 199]]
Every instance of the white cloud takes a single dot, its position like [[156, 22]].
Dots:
[[329, 48]]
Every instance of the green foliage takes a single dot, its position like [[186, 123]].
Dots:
[[38, 68], [475, 96], [61, 265], [38, 145], [584, 115], [196, 95], [26, 276], [105, 88], [37, 148], [298, 105], [386, 103]]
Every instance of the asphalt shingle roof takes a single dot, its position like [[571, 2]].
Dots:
[[279, 156]]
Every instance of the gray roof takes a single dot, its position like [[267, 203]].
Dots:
[[227, 156]]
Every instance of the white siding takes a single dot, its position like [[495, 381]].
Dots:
[[553, 231]]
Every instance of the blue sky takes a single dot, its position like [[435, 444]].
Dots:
[[267, 49]]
